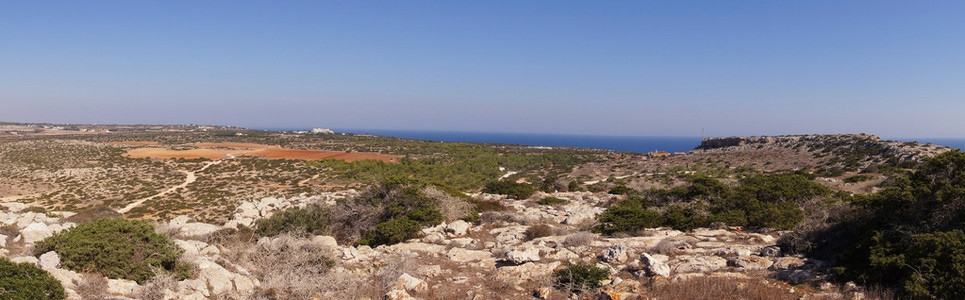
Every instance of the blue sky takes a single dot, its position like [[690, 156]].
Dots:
[[639, 68]]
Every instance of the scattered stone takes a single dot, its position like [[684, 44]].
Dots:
[[750, 263], [410, 283], [521, 256], [655, 265], [615, 254], [458, 228], [35, 232], [771, 251], [49, 260]]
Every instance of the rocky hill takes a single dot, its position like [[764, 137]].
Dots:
[[847, 150]]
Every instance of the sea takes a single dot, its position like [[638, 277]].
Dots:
[[636, 144]]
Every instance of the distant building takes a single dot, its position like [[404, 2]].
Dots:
[[654, 154], [680, 153], [322, 131]]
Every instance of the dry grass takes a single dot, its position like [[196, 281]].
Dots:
[[538, 231], [452, 208], [583, 238], [154, 289], [289, 266], [721, 288], [92, 286]]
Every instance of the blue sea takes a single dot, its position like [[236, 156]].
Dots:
[[638, 144]]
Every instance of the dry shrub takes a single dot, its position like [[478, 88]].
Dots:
[[538, 231], [350, 218], [154, 289], [451, 207], [825, 233], [394, 267], [721, 288], [91, 286], [583, 238], [292, 267], [666, 247]]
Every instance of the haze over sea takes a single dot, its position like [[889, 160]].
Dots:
[[639, 144]]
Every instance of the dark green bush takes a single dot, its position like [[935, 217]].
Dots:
[[629, 216], [391, 232], [27, 281], [517, 190], [858, 178], [116, 248], [551, 201], [580, 277], [310, 220], [620, 190]]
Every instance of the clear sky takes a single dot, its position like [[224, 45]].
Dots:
[[642, 68]]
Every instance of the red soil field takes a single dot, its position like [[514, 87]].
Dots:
[[134, 143], [235, 145]]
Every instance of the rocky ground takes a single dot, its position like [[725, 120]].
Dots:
[[500, 257]]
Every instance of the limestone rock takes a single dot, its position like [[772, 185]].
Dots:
[[325, 241], [458, 228], [771, 251], [409, 283], [14, 206], [615, 254], [121, 287], [750, 262], [698, 264], [49, 260], [35, 232], [3, 241], [523, 255], [655, 265], [787, 262], [398, 294], [25, 259], [198, 229], [463, 255]]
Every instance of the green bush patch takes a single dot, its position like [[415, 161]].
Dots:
[[580, 277], [116, 248], [552, 201], [27, 281]]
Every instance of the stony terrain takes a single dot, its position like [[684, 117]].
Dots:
[[458, 260]]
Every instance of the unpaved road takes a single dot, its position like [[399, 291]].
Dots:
[[190, 178]]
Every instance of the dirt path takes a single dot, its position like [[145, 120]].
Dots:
[[302, 183], [191, 177]]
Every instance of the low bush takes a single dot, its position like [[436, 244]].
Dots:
[[620, 190], [27, 281], [391, 232], [552, 201], [310, 220], [538, 231], [858, 178], [116, 248], [517, 190], [580, 277]]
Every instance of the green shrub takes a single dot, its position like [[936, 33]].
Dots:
[[27, 281], [116, 248], [627, 218], [684, 218], [517, 190], [311, 220], [391, 232], [858, 178], [580, 277], [551, 201], [620, 190]]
